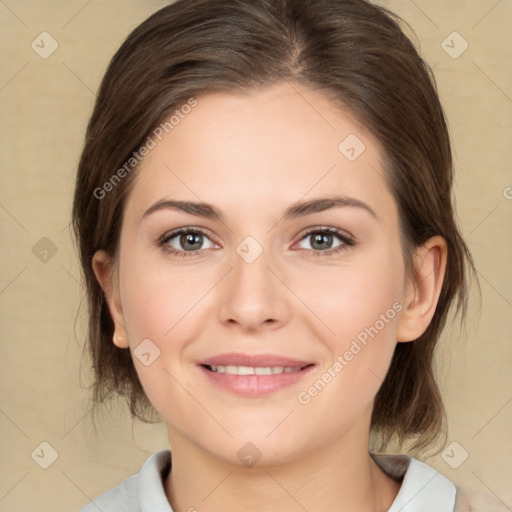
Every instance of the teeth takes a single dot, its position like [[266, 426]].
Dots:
[[240, 370], [251, 370]]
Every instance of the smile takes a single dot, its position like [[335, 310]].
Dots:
[[254, 370], [254, 375]]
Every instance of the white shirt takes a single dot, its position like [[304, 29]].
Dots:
[[423, 489]]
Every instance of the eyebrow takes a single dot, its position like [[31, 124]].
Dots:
[[294, 211]]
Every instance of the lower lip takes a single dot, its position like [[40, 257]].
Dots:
[[255, 385]]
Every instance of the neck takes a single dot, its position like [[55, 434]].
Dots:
[[338, 476]]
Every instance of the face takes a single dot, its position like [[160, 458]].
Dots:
[[255, 319]]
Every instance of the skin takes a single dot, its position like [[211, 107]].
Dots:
[[252, 156]]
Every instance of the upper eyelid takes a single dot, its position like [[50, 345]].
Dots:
[[175, 232], [330, 229]]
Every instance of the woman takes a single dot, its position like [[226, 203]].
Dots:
[[264, 217]]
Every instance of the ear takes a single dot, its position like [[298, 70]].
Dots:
[[423, 289], [106, 274]]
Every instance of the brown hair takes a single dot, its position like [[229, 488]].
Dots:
[[353, 51]]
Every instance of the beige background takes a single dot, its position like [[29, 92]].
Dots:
[[45, 105]]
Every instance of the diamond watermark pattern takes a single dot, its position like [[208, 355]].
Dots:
[[146, 352], [44, 250], [352, 147], [44, 45], [249, 455], [45, 455], [454, 455], [249, 249], [454, 45]]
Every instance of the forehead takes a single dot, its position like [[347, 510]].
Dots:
[[270, 146]]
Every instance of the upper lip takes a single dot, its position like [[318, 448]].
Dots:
[[256, 360]]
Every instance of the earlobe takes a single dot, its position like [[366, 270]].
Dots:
[[105, 272], [424, 289], [120, 340]]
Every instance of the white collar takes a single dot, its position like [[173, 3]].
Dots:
[[423, 488]]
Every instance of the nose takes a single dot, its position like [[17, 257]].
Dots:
[[252, 296]]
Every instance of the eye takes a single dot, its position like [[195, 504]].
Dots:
[[185, 242], [322, 240], [189, 241]]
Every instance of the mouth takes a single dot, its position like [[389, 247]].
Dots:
[[254, 376], [255, 370]]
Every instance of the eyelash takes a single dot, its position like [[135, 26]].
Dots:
[[346, 241]]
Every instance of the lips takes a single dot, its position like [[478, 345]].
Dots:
[[254, 375]]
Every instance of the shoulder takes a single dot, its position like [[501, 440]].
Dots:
[[113, 499], [141, 492], [477, 501], [424, 489]]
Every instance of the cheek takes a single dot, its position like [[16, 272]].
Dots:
[[156, 297], [361, 305], [350, 299], [164, 304]]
